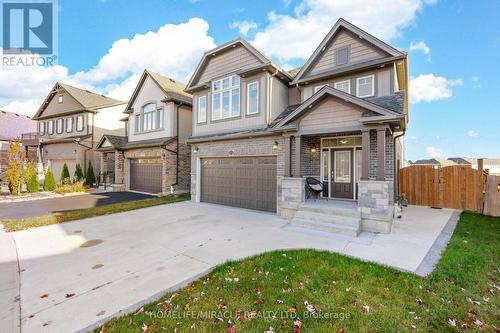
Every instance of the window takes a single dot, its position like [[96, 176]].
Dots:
[[318, 88], [160, 118], [69, 124], [79, 123], [253, 98], [365, 86], [60, 99], [226, 98], [342, 56], [149, 117], [202, 109], [342, 172], [50, 127], [59, 125], [344, 86], [41, 128], [137, 123]]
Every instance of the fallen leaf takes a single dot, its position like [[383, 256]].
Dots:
[[258, 292], [103, 329], [280, 301], [44, 296], [366, 308], [145, 328], [452, 322], [271, 330], [291, 309], [192, 327], [310, 307], [419, 301], [231, 329]]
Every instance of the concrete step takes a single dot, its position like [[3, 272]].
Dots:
[[326, 226], [352, 221], [348, 211]]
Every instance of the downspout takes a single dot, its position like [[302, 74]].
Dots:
[[84, 156], [395, 165]]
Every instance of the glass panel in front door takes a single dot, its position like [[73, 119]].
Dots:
[[342, 173]]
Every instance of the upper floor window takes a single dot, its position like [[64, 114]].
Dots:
[[41, 128], [69, 124], [365, 86], [60, 99], [226, 98], [318, 88], [253, 98], [50, 127], [342, 56], [344, 86], [149, 117], [137, 121], [79, 123], [202, 109], [59, 125]]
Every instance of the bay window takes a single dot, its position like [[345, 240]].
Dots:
[[253, 98], [150, 118], [226, 98]]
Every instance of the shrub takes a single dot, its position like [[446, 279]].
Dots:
[[90, 177], [15, 161], [78, 176], [65, 178], [49, 183], [31, 178], [70, 188]]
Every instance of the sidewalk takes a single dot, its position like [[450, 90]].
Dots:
[[9, 284]]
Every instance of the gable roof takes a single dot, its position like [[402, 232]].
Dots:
[[382, 112], [122, 143], [264, 60], [173, 90], [341, 23], [88, 100]]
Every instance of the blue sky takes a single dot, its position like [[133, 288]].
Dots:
[[454, 61]]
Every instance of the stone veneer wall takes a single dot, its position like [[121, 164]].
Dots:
[[376, 203]]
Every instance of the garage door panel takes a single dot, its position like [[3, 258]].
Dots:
[[146, 175], [248, 182]]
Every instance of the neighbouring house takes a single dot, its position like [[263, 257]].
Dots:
[[260, 131], [70, 122], [12, 127], [437, 162], [490, 164], [153, 156]]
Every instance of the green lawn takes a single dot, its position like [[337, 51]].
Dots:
[[72, 215], [349, 295]]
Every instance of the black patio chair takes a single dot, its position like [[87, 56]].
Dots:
[[313, 187]]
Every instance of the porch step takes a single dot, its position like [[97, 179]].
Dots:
[[346, 210], [341, 229], [352, 219]]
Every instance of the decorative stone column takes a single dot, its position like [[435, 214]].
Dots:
[[291, 194], [104, 162], [376, 204], [119, 171]]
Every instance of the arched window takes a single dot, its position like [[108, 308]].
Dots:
[[149, 116]]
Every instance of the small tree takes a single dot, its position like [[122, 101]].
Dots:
[[78, 176], [15, 161], [49, 183], [90, 178], [32, 184], [65, 178]]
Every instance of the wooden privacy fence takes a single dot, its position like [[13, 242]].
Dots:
[[458, 187], [492, 196]]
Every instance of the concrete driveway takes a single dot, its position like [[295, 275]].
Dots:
[[79, 274], [13, 210]]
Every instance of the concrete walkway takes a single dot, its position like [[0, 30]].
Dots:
[[79, 274], [9, 284]]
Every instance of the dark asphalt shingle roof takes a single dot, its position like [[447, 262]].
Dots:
[[394, 102], [122, 143], [283, 114]]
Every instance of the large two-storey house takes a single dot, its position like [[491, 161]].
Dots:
[[259, 131], [70, 122], [153, 155]]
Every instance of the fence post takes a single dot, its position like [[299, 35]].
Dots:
[[480, 184]]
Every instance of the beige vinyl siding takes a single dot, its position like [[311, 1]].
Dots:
[[86, 121], [331, 114], [228, 62], [384, 82], [242, 122], [279, 98], [69, 104], [360, 51]]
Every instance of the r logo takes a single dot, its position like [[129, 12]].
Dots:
[[28, 27]]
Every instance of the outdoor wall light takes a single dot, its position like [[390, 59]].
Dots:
[[196, 150], [231, 152], [313, 149], [343, 141], [74, 151], [275, 145]]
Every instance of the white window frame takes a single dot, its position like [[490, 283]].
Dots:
[[220, 92], [50, 127], [60, 126], [372, 77], [137, 123], [318, 88], [60, 99], [69, 125], [80, 121], [41, 127], [343, 82], [202, 116], [248, 97], [153, 114]]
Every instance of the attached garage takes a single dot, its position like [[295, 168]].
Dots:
[[246, 182], [146, 175]]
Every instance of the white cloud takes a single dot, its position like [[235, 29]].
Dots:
[[420, 46], [312, 19], [243, 26], [428, 88], [174, 50], [472, 133], [434, 152]]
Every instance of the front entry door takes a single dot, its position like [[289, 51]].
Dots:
[[342, 177]]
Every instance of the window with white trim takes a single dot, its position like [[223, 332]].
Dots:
[[344, 86], [79, 123], [226, 98], [318, 88], [69, 125], [41, 128], [59, 125], [202, 109], [253, 97], [50, 127], [149, 117], [365, 86], [137, 121], [60, 99]]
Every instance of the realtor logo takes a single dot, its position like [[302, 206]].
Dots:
[[28, 31]]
